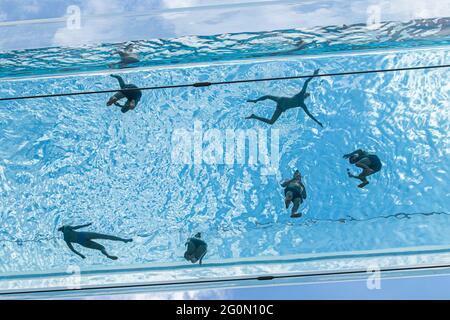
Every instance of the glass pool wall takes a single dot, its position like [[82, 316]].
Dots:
[[146, 174]]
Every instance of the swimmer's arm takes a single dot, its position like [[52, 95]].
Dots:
[[286, 183], [305, 85], [82, 226], [73, 250]]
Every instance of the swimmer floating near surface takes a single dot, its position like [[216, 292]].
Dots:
[[196, 249], [284, 104], [370, 163], [295, 192], [85, 239], [127, 56], [133, 96]]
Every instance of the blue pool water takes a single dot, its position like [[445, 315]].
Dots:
[[226, 47], [72, 160]]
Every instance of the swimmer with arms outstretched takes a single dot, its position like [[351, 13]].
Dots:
[[85, 239], [129, 91], [196, 249], [284, 104], [295, 192], [370, 163]]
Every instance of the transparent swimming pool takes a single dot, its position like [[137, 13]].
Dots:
[[169, 169]]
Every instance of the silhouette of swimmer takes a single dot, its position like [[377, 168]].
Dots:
[[284, 103], [294, 191], [127, 56], [196, 249], [133, 96], [301, 44], [370, 163], [85, 239]]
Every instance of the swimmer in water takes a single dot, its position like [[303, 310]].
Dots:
[[133, 96], [284, 104], [85, 239], [370, 163], [301, 44], [127, 56], [295, 192], [196, 249]]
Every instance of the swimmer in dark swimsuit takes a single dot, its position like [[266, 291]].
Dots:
[[196, 249], [127, 56], [85, 239], [298, 45], [370, 163], [294, 191], [133, 96], [284, 104]]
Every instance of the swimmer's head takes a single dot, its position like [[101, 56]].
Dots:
[[307, 95], [297, 174], [61, 228], [129, 46], [198, 235]]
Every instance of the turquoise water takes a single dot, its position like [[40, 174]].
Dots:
[[226, 47], [72, 160]]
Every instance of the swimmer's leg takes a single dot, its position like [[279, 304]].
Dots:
[[97, 246], [268, 97], [351, 175], [294, 213], [119, 78], [288, 199], [367, 171], [361, 177], [116, 97], [311, 116], [200, 252], [364, 183], [364, 164], [125, 109], [274, 118], [130, 105], [99, 236]]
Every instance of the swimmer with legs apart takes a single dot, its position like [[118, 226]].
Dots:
[[85, 239], [284, 104]]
